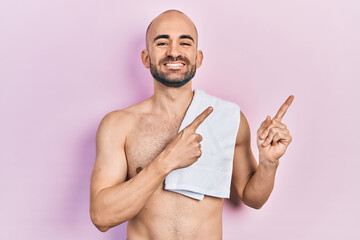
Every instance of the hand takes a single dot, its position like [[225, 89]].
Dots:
[[185, 147], [273, 137]]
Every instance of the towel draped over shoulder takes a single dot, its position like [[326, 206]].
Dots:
[[211, 173]]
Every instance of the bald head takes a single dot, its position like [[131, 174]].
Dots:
[[171, 20]]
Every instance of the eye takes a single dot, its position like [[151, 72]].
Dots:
[[185, 44], [161, 44]]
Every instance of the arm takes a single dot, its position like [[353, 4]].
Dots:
[[255, 182], [113, 200]]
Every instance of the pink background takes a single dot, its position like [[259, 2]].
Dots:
[[65, 64]]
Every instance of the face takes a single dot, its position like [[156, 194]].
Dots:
[[171, 52]]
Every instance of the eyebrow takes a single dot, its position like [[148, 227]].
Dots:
[[161, 36], [187, 37], [167, 37]]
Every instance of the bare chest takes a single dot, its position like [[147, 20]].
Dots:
[[147, 140]]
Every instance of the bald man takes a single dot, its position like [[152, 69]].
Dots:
[[137, 147]]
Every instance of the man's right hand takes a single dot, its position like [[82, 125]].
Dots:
[[185, 147]]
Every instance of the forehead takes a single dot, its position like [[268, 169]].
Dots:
[[173, 25]]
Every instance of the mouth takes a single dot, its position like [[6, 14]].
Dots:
[[174, 65]]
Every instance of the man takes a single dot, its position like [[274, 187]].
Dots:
[[137, 147]]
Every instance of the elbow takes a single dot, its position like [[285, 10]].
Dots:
[[257, 206], [98, 222], [102, 229], [254, 205], [253, 201], [102, 221]]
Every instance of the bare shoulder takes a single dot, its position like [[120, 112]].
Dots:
[[121, 117], [243, 136], [118, 118], [120, 122], [113, 127]]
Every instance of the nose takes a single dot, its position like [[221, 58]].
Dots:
[[173, 50]]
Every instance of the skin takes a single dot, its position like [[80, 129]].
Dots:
[[138, 146]]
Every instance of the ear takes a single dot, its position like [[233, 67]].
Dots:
[[199, 58], [145, 58]]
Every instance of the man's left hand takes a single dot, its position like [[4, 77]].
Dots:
[[273, 137]]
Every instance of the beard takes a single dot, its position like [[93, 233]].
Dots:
[[166, 78]]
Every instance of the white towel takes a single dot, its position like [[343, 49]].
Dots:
[[211, 173]]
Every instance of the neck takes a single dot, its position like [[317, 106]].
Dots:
[[171, 102]]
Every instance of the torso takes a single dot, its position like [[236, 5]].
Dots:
[[166, 215]]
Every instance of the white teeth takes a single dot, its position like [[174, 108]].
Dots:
[[174, 64]]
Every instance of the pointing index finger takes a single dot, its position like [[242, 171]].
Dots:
[[280, 114], [199, 119]]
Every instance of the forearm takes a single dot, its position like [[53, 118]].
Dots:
[[115, 205], [261, 184]]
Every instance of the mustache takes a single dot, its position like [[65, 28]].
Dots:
[[174, 59]]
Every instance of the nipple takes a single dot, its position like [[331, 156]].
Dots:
[[138, 170]]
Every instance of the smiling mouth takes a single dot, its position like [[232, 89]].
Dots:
[[174, 64]]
